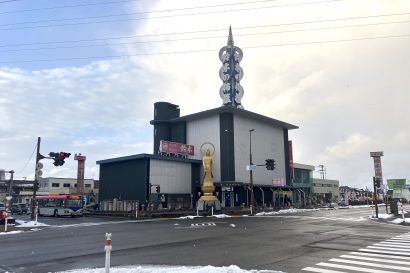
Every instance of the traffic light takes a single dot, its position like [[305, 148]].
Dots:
[[376, 181], [158, 189], [63, 156], [59, 158], [270, 164]]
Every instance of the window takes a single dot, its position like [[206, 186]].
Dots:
[[66, 185], [88, 185], [55, 185]]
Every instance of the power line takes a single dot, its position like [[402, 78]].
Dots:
[[68, 6], [143, 18], [28, 161], [198, 38], [208, 50], [125, 1], [210, 30], [144, 12]]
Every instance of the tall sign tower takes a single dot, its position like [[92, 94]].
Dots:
[[231, 73], [80, 172]]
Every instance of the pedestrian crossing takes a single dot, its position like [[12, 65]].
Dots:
[[389, 256]]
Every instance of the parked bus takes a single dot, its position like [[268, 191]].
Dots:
[[59, 205]]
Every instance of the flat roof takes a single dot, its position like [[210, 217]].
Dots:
[[232, 110], [150, 156]]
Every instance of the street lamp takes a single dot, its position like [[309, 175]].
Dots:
[[250, 171]]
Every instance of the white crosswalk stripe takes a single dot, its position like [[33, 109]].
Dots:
[[389, 256]]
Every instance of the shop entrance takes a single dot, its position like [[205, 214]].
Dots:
[[227, 199]]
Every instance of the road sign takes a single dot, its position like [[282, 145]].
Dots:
[[251, 167]]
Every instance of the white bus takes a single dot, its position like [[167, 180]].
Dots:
[[59, 205]]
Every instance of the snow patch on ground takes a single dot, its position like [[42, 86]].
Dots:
[[189, 217], [171, 269], [400, 220], [22, 223], [11, 232], [382, 216], [221, 216], [284, 211]]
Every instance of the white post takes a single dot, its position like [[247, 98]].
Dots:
[[212, 210], [5, 223], [36, 212], [137, 206], [402, 212], [107, 249], [197, 211]]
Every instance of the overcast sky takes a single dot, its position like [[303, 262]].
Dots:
[[84, 75]]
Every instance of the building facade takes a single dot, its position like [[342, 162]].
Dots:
[[325, 191], [235, 136]]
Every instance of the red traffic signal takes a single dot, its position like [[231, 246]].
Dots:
[[59, 158]]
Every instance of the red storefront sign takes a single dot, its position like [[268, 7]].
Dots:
[[169, 147]]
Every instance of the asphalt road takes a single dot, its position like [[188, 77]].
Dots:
[[286, 243]]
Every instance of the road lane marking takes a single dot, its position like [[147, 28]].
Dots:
[[375, 259], [370, 264], [383, 251], [355, 268], [321, 270], [389, 248], [402, 246], [380, 255], [394, 243], [398, 240]]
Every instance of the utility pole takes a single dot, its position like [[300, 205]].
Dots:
[[250, 172], [35, 186], [375, 198], [11, 185], [322, 172]]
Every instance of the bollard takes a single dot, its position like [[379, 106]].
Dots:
[[107, 249], [5, 221], [197, 211], [212, 210], [36, 211]]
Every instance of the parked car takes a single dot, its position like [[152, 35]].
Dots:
[[19, 209], [2, 207]]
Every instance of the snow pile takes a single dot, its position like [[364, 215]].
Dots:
[[382, 216], [221, 216], [189, 217], [22, 223], [11, 232], [284, 211], [171, 269], [400, 220]]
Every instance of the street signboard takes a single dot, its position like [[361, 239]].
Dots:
[[169, 147], [251, 167], [377, 165], [376, 154], [396, 183], [398, 193]]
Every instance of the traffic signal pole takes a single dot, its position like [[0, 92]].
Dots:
[[251, 172], [35, 186], [375, 199]]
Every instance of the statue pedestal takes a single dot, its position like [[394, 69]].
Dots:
[[205, 205]]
